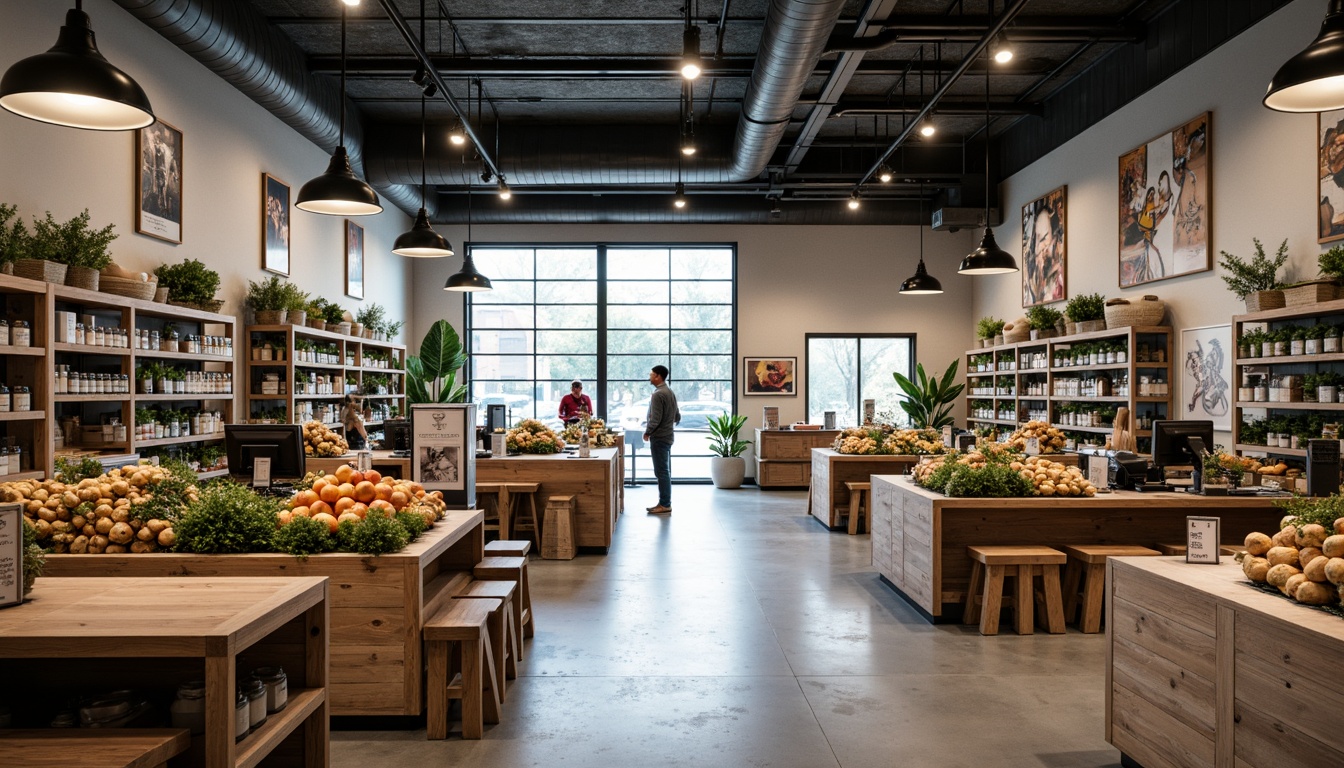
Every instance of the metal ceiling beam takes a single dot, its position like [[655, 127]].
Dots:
[[959, 108], [546, 21], [1036, 29]]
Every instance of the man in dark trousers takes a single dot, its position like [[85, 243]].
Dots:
[[658, 433]]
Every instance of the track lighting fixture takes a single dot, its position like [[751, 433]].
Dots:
[[927, 128], [884, 175], [1003, 52], [989, 258], [456, 136], [774, 207], [73, 85], [690, 52], [1313, 80], [419, 77], [853, 201], [468, 279], [504, 192], [680, 199], [688, 142]]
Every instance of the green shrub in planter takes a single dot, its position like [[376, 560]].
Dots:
[[1259, 274], [13, 237], [1087, 307], [1043, 318], [190, 282], [71, 243], [266, 296], [988, 327]]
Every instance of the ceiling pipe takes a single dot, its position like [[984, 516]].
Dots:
[[964, 29], [657, 209]]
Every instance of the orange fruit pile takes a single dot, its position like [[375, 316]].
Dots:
[[353, 495]]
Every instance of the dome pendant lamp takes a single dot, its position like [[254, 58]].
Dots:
[[339, 192], [989, 258], [73, 85], [422, 241], [467, 279], [1313, 80], [922, 284]]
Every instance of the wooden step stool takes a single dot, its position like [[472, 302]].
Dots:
[[461, 664], [508, 548], [522, 517], [557, 535], [992, 565], [1086, 574], [1179, 549], [503, 634], [858, 506], [511, 569]]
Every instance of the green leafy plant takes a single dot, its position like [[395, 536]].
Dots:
[[266, 296], [71, 243], [1331, 262], [1042, 318], [413, 523], [376, 535], [1088, 306], [723, 430], [302, 537], [988, 327], [191, 281], [994, 480], [326, 311], [391, 328], [71, 472], [228, 517], [13, 237], [293, 298], [172, 495], [431, 376], [929, 401], [372, 316], [34, 559], [1260, 274]]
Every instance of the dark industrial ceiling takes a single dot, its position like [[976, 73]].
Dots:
[[578, 104]]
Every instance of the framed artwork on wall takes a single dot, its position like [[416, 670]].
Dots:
[[1165, 207], [1330, 175], [769, 376], [354, 260], [158, 182], [1206, 375], [274, 225], [1045, 248]]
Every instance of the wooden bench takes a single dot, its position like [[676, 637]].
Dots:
[[507, 548], [461, 663], [858, 506], [92, 748], [1085, 579], [557, 536], [991, 565], [511, 569], [507, 646]]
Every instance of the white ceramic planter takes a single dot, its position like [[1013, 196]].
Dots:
[[727, 471]]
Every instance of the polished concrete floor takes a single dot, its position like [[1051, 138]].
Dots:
[[739, 632]]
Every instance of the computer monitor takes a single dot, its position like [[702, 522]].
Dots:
[[281, 443], [1171, 442], [396, 435]]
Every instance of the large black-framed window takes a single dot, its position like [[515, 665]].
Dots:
[[844, 369], [606, 314]]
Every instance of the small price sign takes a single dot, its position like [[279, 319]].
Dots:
[[947, 436], [261, 472], [1033, 446], [1097, 467], [1201, 540]]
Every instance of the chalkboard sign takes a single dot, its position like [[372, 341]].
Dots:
[[11, 554]]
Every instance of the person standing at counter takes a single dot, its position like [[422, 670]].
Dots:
[[575, 406], [658, 433], [352, 416]]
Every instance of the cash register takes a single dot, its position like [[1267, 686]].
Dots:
[[1175, 444]]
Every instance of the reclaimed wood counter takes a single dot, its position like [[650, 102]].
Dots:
[[595, 484], [1204, 670], [378, 604], [831, 470], [920, 537], [156, 634]]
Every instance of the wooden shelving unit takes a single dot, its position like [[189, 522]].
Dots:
[[1013, 357]]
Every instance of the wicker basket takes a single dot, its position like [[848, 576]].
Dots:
[[1091, 326], [299, 317], [271, 317], [1313, 292], [8, 268], [1147, 311], [368, 333], [343, 328], [1070, 328], [212, 306], [1016, 331], [40, 269], [161, 295], [1260, 301], [81, 277], [128, 287]]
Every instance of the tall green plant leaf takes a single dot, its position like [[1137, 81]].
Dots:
[[929, 399], [415, 381], [441, 350]]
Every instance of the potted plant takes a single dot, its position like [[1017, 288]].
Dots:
[[1297, 340], [370, 319], [313, 314], [1249, 343], [987, 329], [1331, 341], [295, 303], [431, 375], [1042, 321], [928, 400], [267, 300], [1283, 339], [13, 238], [727, 468], [333, 316], [392, 328], [1315, 339], [1327, 387], [68, 253], [190, 284], [1088, 312], [1256, 282]]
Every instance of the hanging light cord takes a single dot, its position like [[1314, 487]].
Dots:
[[422, 151], [986, 138], [343, 11]]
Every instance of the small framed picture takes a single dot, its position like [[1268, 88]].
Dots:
[[354, 260], [769, 376], [158, 182], [274, 225]]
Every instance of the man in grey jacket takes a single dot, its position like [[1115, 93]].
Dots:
[[658, 433]]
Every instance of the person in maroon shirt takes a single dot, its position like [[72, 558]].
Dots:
[[575, 405]]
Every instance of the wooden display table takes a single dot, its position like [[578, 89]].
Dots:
[[1204, 670], [180, 630], [383, 461], [595, 484], [784, 456], [97, 748], [378, 604], [920, 537], [831, 470]]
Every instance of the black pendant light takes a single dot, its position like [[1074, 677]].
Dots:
[[1313, 80], [73, 85], [989, 258], [922, 284], [467, 279], [339, 192], [422, 241]]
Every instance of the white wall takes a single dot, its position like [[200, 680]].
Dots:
[[229, 141], [1263, 176]]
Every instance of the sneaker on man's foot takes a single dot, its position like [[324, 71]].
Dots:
[[660, 510]]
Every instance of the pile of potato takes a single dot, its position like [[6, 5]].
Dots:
[[322, 441], [1054, 479], [1306, 563], [1050, 439], [914, 442], [96, 515]]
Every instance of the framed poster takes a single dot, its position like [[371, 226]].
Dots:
[[158, 182], [1165, 206], [1206, 376], [1330, 176], [1044, 248], [11, 554], [354, 260], [769, 376], [443, 451], [274, 225]]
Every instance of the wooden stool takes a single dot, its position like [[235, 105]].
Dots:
[[992, 565], [463, 629], [500, 498], [507, 548], [514, 493], [503, 634], [511, 569], [1086, 573], [1179, 549], [858, 506], [557, 535]]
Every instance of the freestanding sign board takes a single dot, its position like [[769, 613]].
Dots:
[[443, 451]]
